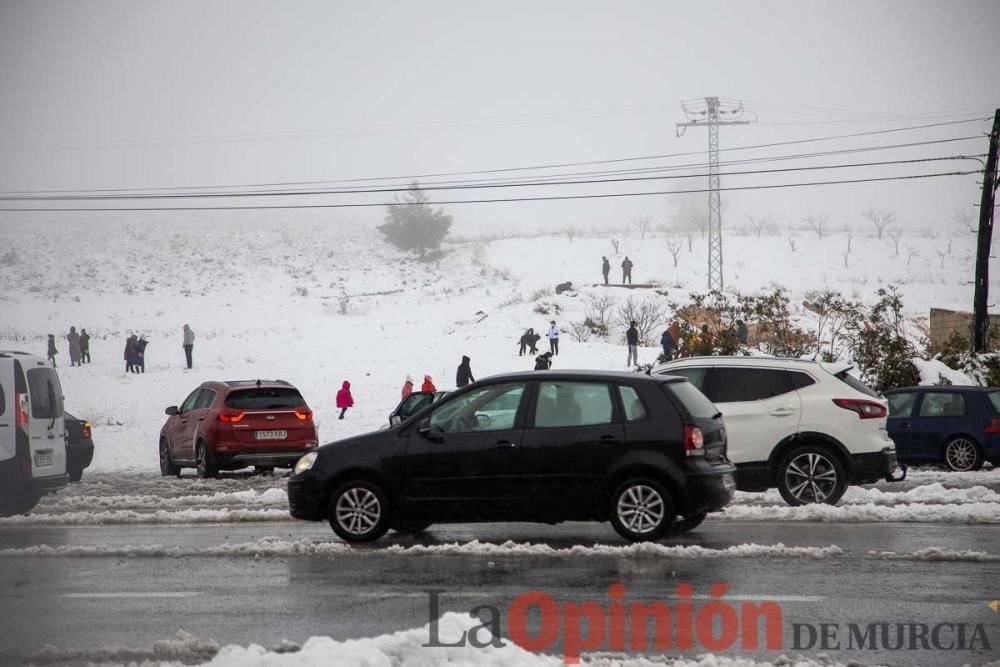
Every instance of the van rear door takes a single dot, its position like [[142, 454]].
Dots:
[[8, 422], [46, 428]]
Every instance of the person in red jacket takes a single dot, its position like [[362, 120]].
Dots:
[[344, 398], [428, 384], [407, 387]]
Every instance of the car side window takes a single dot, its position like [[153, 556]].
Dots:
[[634, 409], [695, 376], [190, 401], [3, 401], [492, 408], [941, 404], [734, 385], [569, 404], [205, 399], [901, 405], [799, 379], [413, 404]]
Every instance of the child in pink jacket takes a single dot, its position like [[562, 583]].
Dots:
[[344, 398]]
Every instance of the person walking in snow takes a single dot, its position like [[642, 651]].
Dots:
[[428, 384], [140, 354], [533, 339], [344, 399], [741, 332], [668, 344], [73, 338], [553, 335], [463, 375], [52, 351], [632, 340], [84, 347], [627, 270], [130, 354], [605, 269], [188, 345], [543, 362], [524, 342], [407, 387]]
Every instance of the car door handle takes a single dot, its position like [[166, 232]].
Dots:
[[201, 419], [904, 425], [782, 412], [506, 444], [609, 440]]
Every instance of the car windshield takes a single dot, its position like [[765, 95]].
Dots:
[[857, 384], [264, 398], [692, 399]]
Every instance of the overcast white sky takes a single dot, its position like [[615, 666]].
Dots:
[[164, 94]]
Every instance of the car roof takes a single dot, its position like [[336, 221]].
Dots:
[[243, 384], [582, 374]]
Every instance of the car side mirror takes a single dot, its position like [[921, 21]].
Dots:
[[395, 420], [172, 410]]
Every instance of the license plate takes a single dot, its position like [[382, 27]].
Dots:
[[43, 458], [270, 435]]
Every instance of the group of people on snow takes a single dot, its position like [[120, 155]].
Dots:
[[135, 354], [79, 347], [626, 269]]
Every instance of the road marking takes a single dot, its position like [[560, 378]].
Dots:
[[130, 595]]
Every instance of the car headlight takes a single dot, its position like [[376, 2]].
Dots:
[[305, 463]]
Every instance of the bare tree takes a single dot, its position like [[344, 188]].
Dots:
[[647, 315], [791, 243], [614, 244], [911, 252], [942, 254], [817, 223], [850, 239], [845, 255], [690, 241], [598, 310], [895, 233], [580, 331], [760, 223], [699, 219], [643, 224], [966, 221], [882, 220], [674, 246], [569, 232]]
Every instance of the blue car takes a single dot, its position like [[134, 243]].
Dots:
[[957, 426]]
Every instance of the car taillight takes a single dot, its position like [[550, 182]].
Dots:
[[21, 410], [993, 426], [694, 441], [86, 429], [865, 409], [231, 417], [303, 415]]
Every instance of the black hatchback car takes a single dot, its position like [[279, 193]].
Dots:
[[647, 453], [957, 426]]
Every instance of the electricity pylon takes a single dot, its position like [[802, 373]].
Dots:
[[707, 113]]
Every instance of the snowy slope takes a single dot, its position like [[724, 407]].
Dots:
[[263, 296]]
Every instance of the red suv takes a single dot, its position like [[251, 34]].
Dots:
[[232, 425]]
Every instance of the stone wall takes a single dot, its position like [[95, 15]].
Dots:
[[944, 322]]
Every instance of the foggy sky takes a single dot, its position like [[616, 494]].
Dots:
[[166, 94]]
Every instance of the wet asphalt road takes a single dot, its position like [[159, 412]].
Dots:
[[85, 604]]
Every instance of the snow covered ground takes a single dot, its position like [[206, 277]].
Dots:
[[263, 295]]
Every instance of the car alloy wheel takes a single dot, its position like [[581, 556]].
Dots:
[[359, 512], [961, 454], [167, 467], [642, 510], [206, 468], [811, 475]]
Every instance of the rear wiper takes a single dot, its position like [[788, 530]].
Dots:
[[717, 415]]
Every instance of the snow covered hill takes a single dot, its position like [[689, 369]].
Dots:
[[265, 296]]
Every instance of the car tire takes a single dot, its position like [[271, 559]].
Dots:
[[962, 454], [18, 501], [412, 527], [642, 510], [688, 523], [75, 474], [811, 474], [359, 511], [206, 466], [167, 467]]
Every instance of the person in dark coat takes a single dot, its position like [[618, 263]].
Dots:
[[543, 362], [632, 340], [524, 343], [606, 269], [52, 351], [533, 339], [668, 344], [344, 398], [464, 374], [741, 332], [140, 354], [130, 354], [73, 338], [627, 270], [84, 347]]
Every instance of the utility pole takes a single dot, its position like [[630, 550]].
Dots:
[[981, 320], [707, 113]]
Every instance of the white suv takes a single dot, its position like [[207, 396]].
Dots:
[[805, 427]]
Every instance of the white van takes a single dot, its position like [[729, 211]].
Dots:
[[32, 432]]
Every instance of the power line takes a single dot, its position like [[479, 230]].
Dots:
[[412, 177], [499, 200]]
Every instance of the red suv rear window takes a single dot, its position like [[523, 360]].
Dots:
[[264, 398]]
